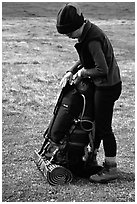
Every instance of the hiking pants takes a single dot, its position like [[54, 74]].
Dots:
[[104, 99]]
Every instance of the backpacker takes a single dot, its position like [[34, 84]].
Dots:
[[69, 139]]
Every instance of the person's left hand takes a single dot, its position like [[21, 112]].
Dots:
[[67, 77], [81, 73]]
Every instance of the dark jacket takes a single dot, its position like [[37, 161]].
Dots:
[[97, 56]]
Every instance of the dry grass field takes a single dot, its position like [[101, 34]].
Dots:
[[34, 59]]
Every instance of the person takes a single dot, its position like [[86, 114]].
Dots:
[[97, 62]]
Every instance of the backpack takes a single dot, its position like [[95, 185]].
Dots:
[[69, 138]]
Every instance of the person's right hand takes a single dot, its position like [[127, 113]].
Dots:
[[67, 77]]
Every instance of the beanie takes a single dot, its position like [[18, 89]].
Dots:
[[69, 19]]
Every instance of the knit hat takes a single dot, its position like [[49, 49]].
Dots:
[[69, 19]]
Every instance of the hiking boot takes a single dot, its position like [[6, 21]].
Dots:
[[108, 173]]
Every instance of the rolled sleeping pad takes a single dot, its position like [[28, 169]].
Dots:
[[55, 174]]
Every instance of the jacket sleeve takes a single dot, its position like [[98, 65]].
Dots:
[[101, 68]]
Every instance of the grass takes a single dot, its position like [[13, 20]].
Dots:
[[34, 60]]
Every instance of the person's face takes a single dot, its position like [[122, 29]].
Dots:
[[75, 34]]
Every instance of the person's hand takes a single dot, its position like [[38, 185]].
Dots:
[[81, 73], [67, 77]]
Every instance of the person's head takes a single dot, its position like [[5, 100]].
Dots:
[[70, 21]]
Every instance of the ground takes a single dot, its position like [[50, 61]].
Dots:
[[34, 59]]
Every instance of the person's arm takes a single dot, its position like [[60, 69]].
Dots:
[[101, 68], [70, 73], [74, 69]]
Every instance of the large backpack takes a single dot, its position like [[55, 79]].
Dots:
[[69, 138]]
